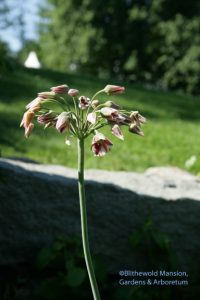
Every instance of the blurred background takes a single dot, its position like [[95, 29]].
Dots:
[[150, 46]]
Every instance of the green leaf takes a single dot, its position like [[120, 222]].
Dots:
[[43, 259], [135, 239], [75, 277]]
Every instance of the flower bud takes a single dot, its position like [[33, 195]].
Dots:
[[134, 128], [95, 103], [63, 122], [60, 89], [113, 89], [47, 95], [73, 92], [112, 105]]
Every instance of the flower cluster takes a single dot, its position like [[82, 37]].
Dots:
[[81, 116]]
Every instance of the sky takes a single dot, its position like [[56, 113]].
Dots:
[[29, 9]]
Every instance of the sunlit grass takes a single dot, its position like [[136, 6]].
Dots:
[[171, 134]]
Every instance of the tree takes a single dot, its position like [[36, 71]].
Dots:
[[139, 40]]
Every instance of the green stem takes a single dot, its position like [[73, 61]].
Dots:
[[99, 92], [84, 229]]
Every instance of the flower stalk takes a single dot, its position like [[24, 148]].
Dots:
[[80, 118], [83, 212]]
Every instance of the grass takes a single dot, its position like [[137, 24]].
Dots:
[[172, 134]]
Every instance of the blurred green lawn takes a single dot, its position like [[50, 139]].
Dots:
[[172, 134]]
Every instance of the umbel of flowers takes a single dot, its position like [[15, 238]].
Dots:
[[80, 116]]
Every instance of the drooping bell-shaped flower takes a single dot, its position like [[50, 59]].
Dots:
[[113, 116], [100, 144], [34, 105], [60, 89], [48, 119], [113, 89], [73, 92], [137, 117], [117, 132], [134, 128], [27, 122], [84, 102], [63, 122]]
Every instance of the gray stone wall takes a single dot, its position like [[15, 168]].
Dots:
[[39, 203]]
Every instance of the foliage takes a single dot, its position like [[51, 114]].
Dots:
[[177, 59], [4, 14], [7, 62], [58, 272], [3, 55], [138, 40], [154, 245], [155, 249]]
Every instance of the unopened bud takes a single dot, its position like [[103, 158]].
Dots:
[[113, 89], [95, 103], [73, 92], [60, 89], [112, 105], [47, 95]]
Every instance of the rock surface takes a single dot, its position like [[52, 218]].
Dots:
[[40, 202]]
